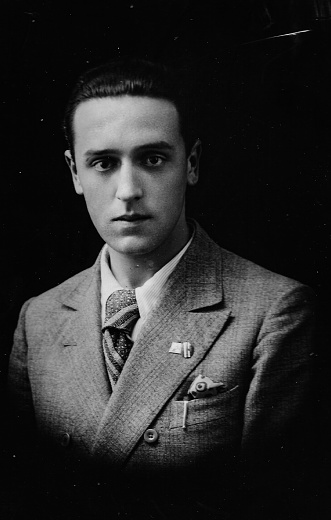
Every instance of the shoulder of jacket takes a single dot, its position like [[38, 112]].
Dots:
[[239, 271], [253, 278], [55, 293]]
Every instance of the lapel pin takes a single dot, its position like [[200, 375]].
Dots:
[[185, 349]]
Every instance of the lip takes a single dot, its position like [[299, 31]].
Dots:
[[131, 217]]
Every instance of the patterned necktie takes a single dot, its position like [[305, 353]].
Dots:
[[121, 314]]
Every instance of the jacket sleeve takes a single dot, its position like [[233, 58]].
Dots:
[[21, 448], [278, 418], [19, 390]]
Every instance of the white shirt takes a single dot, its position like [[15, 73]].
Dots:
[[146, 295]]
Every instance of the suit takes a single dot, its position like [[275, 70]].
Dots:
[[249, 329]]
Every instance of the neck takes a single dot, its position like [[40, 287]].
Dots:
[[132, 271]]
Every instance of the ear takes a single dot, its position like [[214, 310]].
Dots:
[[72, 167], [193, 163]]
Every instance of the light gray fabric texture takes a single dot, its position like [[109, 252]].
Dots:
[[249, 328]]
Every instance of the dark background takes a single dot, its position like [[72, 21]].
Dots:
[[265, 128]]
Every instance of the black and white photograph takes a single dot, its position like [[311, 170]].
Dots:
[[165, 260]]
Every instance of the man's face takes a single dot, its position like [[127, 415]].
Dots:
[[130, 164]]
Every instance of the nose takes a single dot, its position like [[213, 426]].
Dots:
[[128, 183]]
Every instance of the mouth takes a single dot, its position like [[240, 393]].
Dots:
[[131, 217]]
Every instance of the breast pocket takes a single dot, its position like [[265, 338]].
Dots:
[[213, 428], [224, 407]]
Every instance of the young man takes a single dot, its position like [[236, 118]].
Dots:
[[173, 368]]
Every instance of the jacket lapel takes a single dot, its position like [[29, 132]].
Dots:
[[82, 341], [151, 374]]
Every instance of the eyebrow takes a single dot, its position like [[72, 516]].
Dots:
[[157, 145]]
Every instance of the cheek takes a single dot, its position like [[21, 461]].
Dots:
[[93, 188], [172, 187], [96, 199]]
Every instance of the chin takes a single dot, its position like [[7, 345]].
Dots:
[[132, 247]]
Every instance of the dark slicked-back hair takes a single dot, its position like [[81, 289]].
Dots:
[[135, 77]]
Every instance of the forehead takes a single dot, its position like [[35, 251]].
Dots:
[[125, 121]]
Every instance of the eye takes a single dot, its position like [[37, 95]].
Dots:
[[154, 160], [104, 165]]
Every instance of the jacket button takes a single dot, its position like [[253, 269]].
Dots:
[[65, 439], [151, 436]]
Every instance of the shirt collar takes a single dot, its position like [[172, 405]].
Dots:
[[148, 294]]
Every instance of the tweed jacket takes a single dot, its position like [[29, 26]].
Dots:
[[249, 329]]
